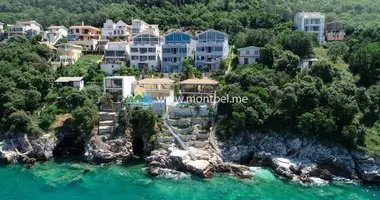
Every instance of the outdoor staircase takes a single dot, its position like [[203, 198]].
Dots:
[[107, 121]]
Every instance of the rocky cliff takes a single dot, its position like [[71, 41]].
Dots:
[[300, 159]]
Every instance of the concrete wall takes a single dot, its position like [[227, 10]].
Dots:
[[165, 139], [202, 136], [176, 111], [183, 131]]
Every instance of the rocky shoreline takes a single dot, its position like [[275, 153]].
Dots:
[[301, 160]]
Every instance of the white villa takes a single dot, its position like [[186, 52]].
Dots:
[[211, 47], [24, 28], [139, 26], [55, 33], [1, 27], [146, 51], [120, 30], [67, 54], [313, 22], [248, 55], [119, 86], [115, 55], [177, 47], [76, 82]]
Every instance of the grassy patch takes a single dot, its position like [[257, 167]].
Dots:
[[372, 140], [84, 63]]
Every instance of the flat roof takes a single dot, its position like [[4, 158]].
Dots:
[[68, 79], [249, 47], [156, 81], [204, 81], [55, 27], [68, 44]]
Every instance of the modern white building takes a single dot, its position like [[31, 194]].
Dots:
[[24, 28], [177, 47], [119, 30], [115, 55], [119, 86], [146, 51], [248, 55], [139, 26], [313, 22], [55, 33], [76, 82], [211, 48]]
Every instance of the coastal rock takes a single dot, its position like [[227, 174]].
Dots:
[[111, 150], [166, 173], [304, 158]]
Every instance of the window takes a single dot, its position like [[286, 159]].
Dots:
[[245, 61], [152, 50], [218, 49], [120, 53], [143, 50], [165, 50], [134, 50], [165, 59], [247, 52], [143, 58], [182, 50], [134, 58], [114, 83], [110, 53], [152, 57]]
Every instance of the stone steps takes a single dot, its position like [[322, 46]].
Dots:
[[106, 129], [107, 123]]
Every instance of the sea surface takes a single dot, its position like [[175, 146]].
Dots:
[[58, 180]]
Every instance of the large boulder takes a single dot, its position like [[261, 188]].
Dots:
[[112, 150], [368, 167]]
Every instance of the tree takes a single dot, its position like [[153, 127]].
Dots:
[[287, 62], [324, 70], [268, 54], [337, 50], [85, 117], [300, 43], [187, 69], [365, 62]]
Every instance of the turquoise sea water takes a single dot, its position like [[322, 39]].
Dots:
[[65, 180]]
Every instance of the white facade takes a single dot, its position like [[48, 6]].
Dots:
[[115, 55], [119, 86], [139, 26], [146, 51], [313, 22], [91, 44], [211, 47], [75, 82], [24, 28], [120, 30], [249, 55], [55, 33]]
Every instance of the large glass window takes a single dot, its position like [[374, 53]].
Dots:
[[152, 50], [120, 53], [114, 83], [135, 50]]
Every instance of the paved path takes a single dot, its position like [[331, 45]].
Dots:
[[179, 140], [212, 138]]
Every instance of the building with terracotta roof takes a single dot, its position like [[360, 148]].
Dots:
[[312, 22], [198, 88], [85, 36], [334, 31]]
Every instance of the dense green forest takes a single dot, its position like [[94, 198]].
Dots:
[[225, 15]]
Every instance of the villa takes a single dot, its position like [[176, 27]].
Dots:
[[55, 33], [334, 31], [120, 87], [313, 22], [146, 51], [75, 82], [139, 26], [211, 48], [86, 36], [157, 88], [67, 54], [177, 47], [24, 28], [119, 30], [249, 55], [115, 55], [198, 89]]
